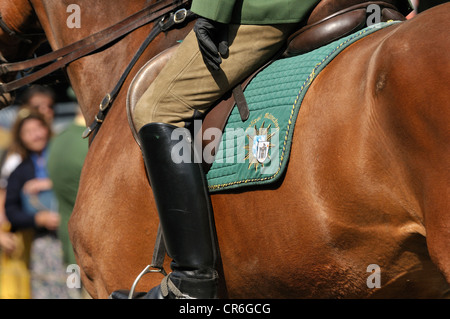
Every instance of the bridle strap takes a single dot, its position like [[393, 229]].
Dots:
[[13, 33], [180, 16], [81, 48], [93, 38]]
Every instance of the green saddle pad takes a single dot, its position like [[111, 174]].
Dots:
[[256, 151]]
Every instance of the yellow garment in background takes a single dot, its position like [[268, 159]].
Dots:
[[14, 271]]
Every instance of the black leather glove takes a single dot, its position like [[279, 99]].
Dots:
[[212, 40]]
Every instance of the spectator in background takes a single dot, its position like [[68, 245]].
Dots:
[[16, 245], [7, 240], [67, 152], [41, 98], [14, 253], [30, 204]]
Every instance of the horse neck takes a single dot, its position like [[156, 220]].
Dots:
[[95, 75], [19, 17]]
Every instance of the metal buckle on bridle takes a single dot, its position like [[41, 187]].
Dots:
[[174, 18], [105, 102], [98, 119], [180, 16]]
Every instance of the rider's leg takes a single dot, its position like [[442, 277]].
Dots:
[[183, 89], [185, 212], [185, 84]]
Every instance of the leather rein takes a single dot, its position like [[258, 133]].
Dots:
[[168, 14]]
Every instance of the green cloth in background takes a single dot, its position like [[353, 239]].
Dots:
[[66, 157]]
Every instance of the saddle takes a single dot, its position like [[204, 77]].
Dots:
[[329, 21]]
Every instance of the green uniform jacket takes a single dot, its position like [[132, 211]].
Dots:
[[67, 152], [253, 11]]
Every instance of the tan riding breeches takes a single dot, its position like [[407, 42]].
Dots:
[[186, 88]]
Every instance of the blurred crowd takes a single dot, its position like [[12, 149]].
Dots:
[[39, 178]]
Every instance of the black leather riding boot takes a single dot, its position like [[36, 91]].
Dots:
[[185, 213]]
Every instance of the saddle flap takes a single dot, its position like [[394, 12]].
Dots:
[[142, 80]]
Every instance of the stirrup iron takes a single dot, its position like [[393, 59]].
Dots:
[[146, 270]]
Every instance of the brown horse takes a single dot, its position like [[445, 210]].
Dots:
[[19, 38], [367, 182]]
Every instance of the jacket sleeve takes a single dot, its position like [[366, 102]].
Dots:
[[13, 205], [217, 10]]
